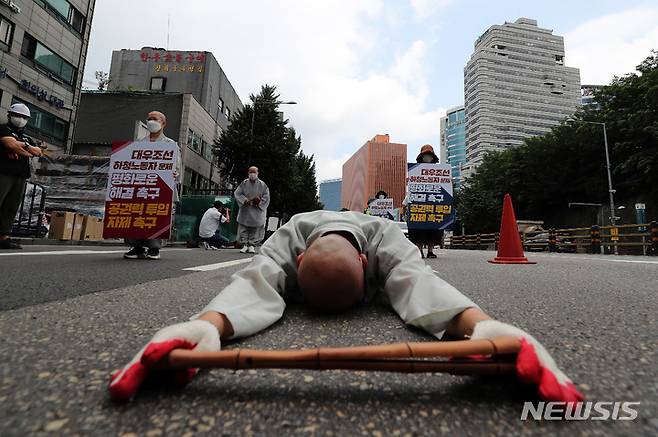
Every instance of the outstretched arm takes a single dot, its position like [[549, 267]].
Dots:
[[419, 296], [250, 303], [461, 326], [220, 321], [424, 300]]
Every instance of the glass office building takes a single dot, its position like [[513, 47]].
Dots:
[[453, 142], [330, 194]]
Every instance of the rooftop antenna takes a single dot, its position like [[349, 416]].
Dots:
[[168, 20]]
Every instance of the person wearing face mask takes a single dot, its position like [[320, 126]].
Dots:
[[15, 150], [428, 237], [253, 196], [150, 249]]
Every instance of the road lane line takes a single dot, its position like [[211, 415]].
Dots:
[[217, 266], [598, 259], [73, 252], [61, 252]]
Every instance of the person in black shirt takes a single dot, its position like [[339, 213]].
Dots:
[[15, 151]]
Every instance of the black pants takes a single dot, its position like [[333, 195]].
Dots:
[[12, 189], [148, 244], [217, 240]]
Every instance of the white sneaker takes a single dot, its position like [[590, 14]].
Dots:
[[206, 245], [252, 249], [244, 249]]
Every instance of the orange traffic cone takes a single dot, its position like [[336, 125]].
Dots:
[[510, 250]]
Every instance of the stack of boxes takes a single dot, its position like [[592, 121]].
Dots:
[[66, 225]]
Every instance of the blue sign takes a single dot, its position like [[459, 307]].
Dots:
[[41, 94], [430, 201]]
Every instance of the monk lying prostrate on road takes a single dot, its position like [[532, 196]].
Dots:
[[335, 261]]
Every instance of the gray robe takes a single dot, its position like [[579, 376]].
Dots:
[[250, 215], [253, 300]]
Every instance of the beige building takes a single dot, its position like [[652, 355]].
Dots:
[[106, 117]]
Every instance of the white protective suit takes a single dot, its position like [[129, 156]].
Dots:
[[254, 298]]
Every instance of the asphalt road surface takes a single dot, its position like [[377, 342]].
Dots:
[[40, 274], [75, 318]]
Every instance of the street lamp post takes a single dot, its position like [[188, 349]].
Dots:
[[611, 191]]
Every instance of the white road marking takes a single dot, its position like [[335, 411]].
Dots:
[[217, 266], [612, 260], [73, 252]]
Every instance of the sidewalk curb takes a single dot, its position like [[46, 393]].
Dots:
[[101, 243]]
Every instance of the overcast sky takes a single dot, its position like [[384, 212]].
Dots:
[[363, 67]]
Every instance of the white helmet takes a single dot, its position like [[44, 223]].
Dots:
[[20, 109]]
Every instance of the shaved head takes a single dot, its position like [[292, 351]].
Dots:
[[157, 115], [331, 274]]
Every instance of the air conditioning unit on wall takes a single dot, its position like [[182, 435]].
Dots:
[[11, 5]]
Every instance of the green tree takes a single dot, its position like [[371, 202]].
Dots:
[[103, 79], [274, 148]]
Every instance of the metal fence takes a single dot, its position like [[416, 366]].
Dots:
[[29, 221], [631, 239]]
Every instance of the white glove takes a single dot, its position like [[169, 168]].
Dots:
[[198, 335], [534, 364]]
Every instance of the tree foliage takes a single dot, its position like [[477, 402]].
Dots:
[[275, 149], [568, 164], [103, 79]]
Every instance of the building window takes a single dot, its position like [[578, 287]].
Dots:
[[228, 114], [45, 124], [207, 152], [65, 13], [220, 105], [193, 140], [45, 58], [6, 33], [158, 84]]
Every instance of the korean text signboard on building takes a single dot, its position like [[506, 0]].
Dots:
[[430, 197], [140, 190], [166, 62], [382, 208]]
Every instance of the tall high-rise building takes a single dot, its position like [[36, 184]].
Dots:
[[330, 194], [43, 48], [453, 142], [516, 86], [377, 165]]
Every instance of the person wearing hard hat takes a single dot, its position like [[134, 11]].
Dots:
[[428, 237], [15, 150]]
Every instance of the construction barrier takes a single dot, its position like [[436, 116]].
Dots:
[[630, 239]]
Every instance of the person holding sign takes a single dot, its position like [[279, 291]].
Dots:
[[422, 237], [150, 248]]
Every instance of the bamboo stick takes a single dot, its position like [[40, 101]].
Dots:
[[397, 357]]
